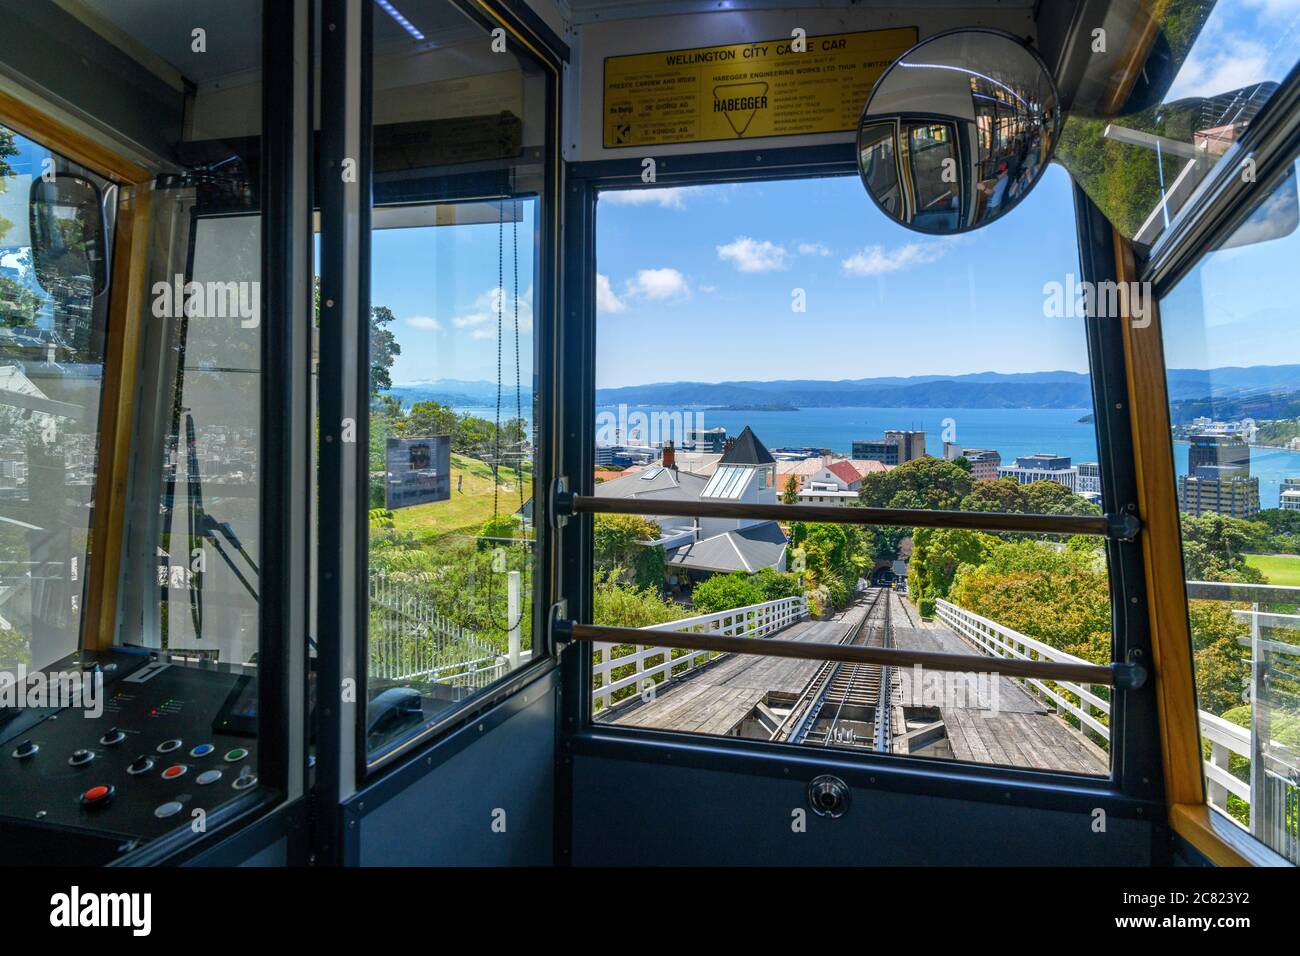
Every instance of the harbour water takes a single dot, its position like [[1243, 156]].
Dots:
[[1011, 431]]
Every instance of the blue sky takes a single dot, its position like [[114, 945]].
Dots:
[[698, 283]]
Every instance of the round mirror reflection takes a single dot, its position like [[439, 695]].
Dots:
[[958, 131]]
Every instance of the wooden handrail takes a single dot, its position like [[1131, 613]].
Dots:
[[851, 654], [1103, 525]]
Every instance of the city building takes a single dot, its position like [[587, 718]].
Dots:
[[895, 448], [984, 462], [1088, 484], [1290, 500], [1227, 453], [1042, 467], [706, 440], [1218, 476], [1236, 496]]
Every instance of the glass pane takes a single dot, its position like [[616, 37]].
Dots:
[[53, 322], [460, 138], [167, 730], [850, 364], [1141, 162], [1234, 386]]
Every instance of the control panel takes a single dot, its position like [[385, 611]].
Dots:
[[161, 740]]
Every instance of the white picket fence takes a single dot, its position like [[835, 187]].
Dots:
[[754, 620]]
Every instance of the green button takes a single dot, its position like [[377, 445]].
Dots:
[[239, 753]]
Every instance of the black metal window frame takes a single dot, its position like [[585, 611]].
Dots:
[[1134, 786], [343, 765]]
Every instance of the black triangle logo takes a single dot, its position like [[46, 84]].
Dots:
[[739, 119]]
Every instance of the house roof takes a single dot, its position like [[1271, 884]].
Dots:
[[700, 463], [654, 483], [844, 471], [758, 546], [868, 466], [747, 450], [802, 468]]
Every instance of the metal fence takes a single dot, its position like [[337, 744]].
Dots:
[[409, 640]]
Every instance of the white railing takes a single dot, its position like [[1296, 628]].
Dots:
[[998, 641], [1224, 737], [754, 620], [409, 639]]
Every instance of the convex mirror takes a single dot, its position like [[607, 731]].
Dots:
[[957, 131]]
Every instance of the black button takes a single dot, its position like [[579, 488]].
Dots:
[[140, 764], [81, 757], [112, 736], [25, 750]]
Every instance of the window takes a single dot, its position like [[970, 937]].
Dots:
[[460, 139], [1234, 386], [1141, 161], [747, 356], [53, 323]]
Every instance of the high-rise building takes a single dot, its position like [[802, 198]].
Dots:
[[1289, 496], [1218, 477], [894, 449], [1225, 452], [984, 462]]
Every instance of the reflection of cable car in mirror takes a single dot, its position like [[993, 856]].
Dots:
[[387, 424]]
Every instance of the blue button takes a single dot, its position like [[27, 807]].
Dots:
[[202, 750]]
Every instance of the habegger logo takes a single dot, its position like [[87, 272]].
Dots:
[[76, 909]]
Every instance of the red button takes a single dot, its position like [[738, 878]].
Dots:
[[174, 771], [98, 794]]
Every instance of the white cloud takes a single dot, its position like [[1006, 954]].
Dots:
[[424, 322], [1219, 62], [813, 249], [707, 289], [482, 321], [752, 255], [669, 197], [877, 260], [659, 284], [606, 299]]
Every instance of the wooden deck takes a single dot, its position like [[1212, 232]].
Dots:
[[715, 698], [1002, 724], [1015, 730]]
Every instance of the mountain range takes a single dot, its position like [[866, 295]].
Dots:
[[1228, 392]]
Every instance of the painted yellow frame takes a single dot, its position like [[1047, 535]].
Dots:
[[1190, 816], [121, 358]]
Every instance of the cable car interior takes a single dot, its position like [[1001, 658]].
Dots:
[[590, 433]]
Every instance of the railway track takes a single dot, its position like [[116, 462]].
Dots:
[[847, 704]]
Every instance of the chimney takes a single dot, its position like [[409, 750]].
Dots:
[[670, 456]]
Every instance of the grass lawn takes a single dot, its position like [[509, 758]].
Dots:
[[1277, 568], [468, 507]]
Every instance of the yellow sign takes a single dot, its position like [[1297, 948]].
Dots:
[[784, 87]]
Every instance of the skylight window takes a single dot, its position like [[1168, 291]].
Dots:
[[727, 482]]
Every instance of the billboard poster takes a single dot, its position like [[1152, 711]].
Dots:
[[418, 471]]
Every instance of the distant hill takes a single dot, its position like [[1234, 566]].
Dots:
[[1261, 391]]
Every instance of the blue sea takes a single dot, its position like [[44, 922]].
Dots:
[[1012, 431]]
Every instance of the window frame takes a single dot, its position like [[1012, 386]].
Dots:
[[1135, 779], [1219, 205], [344, 765]]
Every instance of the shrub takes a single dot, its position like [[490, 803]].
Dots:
[[722, 592]]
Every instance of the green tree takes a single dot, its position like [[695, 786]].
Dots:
[[1215, 545], [931, 483], [384, 349], [620, 543], [722, 592], [790, 494]]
